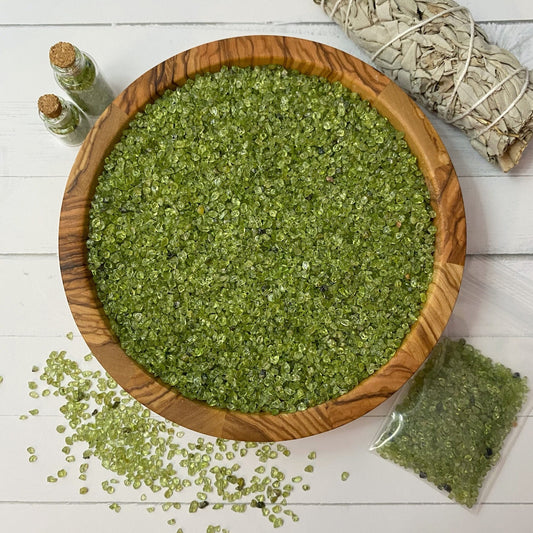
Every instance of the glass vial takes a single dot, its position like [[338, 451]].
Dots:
[[77, 73], [63, 119]]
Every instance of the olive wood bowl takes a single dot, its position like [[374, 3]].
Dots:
[[309, 58]]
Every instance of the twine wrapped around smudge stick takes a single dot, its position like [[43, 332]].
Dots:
[[436, 52]]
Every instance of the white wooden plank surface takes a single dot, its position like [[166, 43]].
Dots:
[[125, 52], [28, 350], [375, 486], [496, 297], [499, 215], [413, 518], [40, 197], [494, 310], [342, 449], [338, 450], [494, 226], [495, 218], [20, 127], [230, 11]]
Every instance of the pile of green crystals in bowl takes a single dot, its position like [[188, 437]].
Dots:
[[451, 425], [261, 239]]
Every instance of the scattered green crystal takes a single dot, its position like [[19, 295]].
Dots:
[[146, 452], [345, 476], [261, 239], [451, 426]]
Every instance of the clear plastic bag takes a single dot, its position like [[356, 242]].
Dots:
[[450, 423]]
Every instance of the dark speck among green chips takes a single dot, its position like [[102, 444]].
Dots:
[[261, 239]]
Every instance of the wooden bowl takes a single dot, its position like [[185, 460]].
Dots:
[[309, 58]]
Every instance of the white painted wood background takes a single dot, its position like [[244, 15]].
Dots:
[[494, 311]]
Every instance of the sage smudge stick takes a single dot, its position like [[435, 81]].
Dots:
[[436, 52]]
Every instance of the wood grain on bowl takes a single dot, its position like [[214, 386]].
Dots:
[[309, 58]]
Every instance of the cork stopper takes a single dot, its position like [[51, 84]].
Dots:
[[62, 55], [49, 105]]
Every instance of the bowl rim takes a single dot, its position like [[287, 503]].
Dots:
[[311, 58]]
